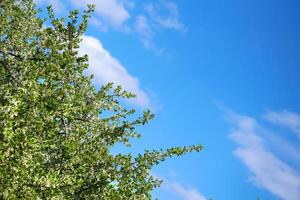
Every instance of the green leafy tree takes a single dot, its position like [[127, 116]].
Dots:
[[56, 129]]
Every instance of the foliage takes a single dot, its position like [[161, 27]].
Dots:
[[55, 133]]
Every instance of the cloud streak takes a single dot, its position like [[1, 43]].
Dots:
[[285, 119], [186, 193], [268, 171], [180, 190]]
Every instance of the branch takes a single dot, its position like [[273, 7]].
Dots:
[[21, 58], [62, 151], [88, 187]]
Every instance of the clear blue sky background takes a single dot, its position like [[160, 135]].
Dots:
[[211, 65]]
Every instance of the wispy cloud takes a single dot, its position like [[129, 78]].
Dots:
[[157, 17], [180, 190], [285, 148], [106, 68], [144, 29], [186, 193], [268, 171], [146, 34], [146, 21], [165, 15], [286, 119]]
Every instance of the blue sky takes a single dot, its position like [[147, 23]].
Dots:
[[221, 73]]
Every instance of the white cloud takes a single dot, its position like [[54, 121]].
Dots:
[[186, 193], [106, 68], [112, 11], [286, 119], [268, 171]]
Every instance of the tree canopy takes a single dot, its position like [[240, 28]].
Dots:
[[56, 128]]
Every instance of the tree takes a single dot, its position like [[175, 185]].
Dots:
[[56, 129]]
